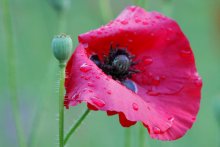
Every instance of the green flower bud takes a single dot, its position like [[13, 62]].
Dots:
[[60, 5], [62, 47]]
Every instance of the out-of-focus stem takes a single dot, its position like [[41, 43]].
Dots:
[[61, 107], [127, 137], [141, 136], [76, 125], [106, 10], [61, 21], [167, 7], [12, 71]]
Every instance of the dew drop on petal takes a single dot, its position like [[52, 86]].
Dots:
[[97, 102], [135, 106], [85, 67], [145, 23], [156, 130], [99, 32], [152, 34], [170, 121], [109, 92], [137, 20], [97, 77], [124, 22], [153, 93], [147, 60], [185, 53], [198, 82], [90, 84], [156, 81], [87, 78], [132, 8]]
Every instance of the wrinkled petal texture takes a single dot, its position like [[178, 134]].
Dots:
[[169, 87]]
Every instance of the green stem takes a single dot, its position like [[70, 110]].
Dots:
[[106, 11], [127, 137], [141, 136], [12, 72], [76, 125], [61, 107], [61, 21]]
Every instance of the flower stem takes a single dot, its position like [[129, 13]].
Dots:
[[12, 71], [61, 107], [141, 136], [105, 9], [127, 137], [75, 126]]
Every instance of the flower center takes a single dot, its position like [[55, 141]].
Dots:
[[118, 63], [121, 64]]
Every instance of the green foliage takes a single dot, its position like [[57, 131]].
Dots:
[[34, 25]]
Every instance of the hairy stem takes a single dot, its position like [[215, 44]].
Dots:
[[61, 107], [141, 136], [76, 125], [12, 71]]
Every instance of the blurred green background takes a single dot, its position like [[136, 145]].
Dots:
[[34, 23]]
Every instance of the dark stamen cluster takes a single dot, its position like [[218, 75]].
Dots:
[[119, 63]]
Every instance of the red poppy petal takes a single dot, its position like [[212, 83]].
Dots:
[[168, 85]]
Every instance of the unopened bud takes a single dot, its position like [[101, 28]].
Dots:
[[60, 5], [62, 47]]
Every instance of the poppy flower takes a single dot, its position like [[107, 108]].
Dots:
[[141, 67]]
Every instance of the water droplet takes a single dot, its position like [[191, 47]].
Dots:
[[152, 34], [145, 23], [158, 16], [99, 32], [185, 53], [170, 121], [153, 93], [198, 82], [170, 29], [132, 8], [130, 85], [85, 45], [97, 77], [76, 96], [109, 92], [97, 102], [85, 67], [90, 84], [87, 78], [137, 20], [193, 118], [135, 106], [156, 81], [124, 22], [156, 130], [147, 60], [168, 39], [90, 91]]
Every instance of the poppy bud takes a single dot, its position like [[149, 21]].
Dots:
[[62, 46], [60, 5]]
